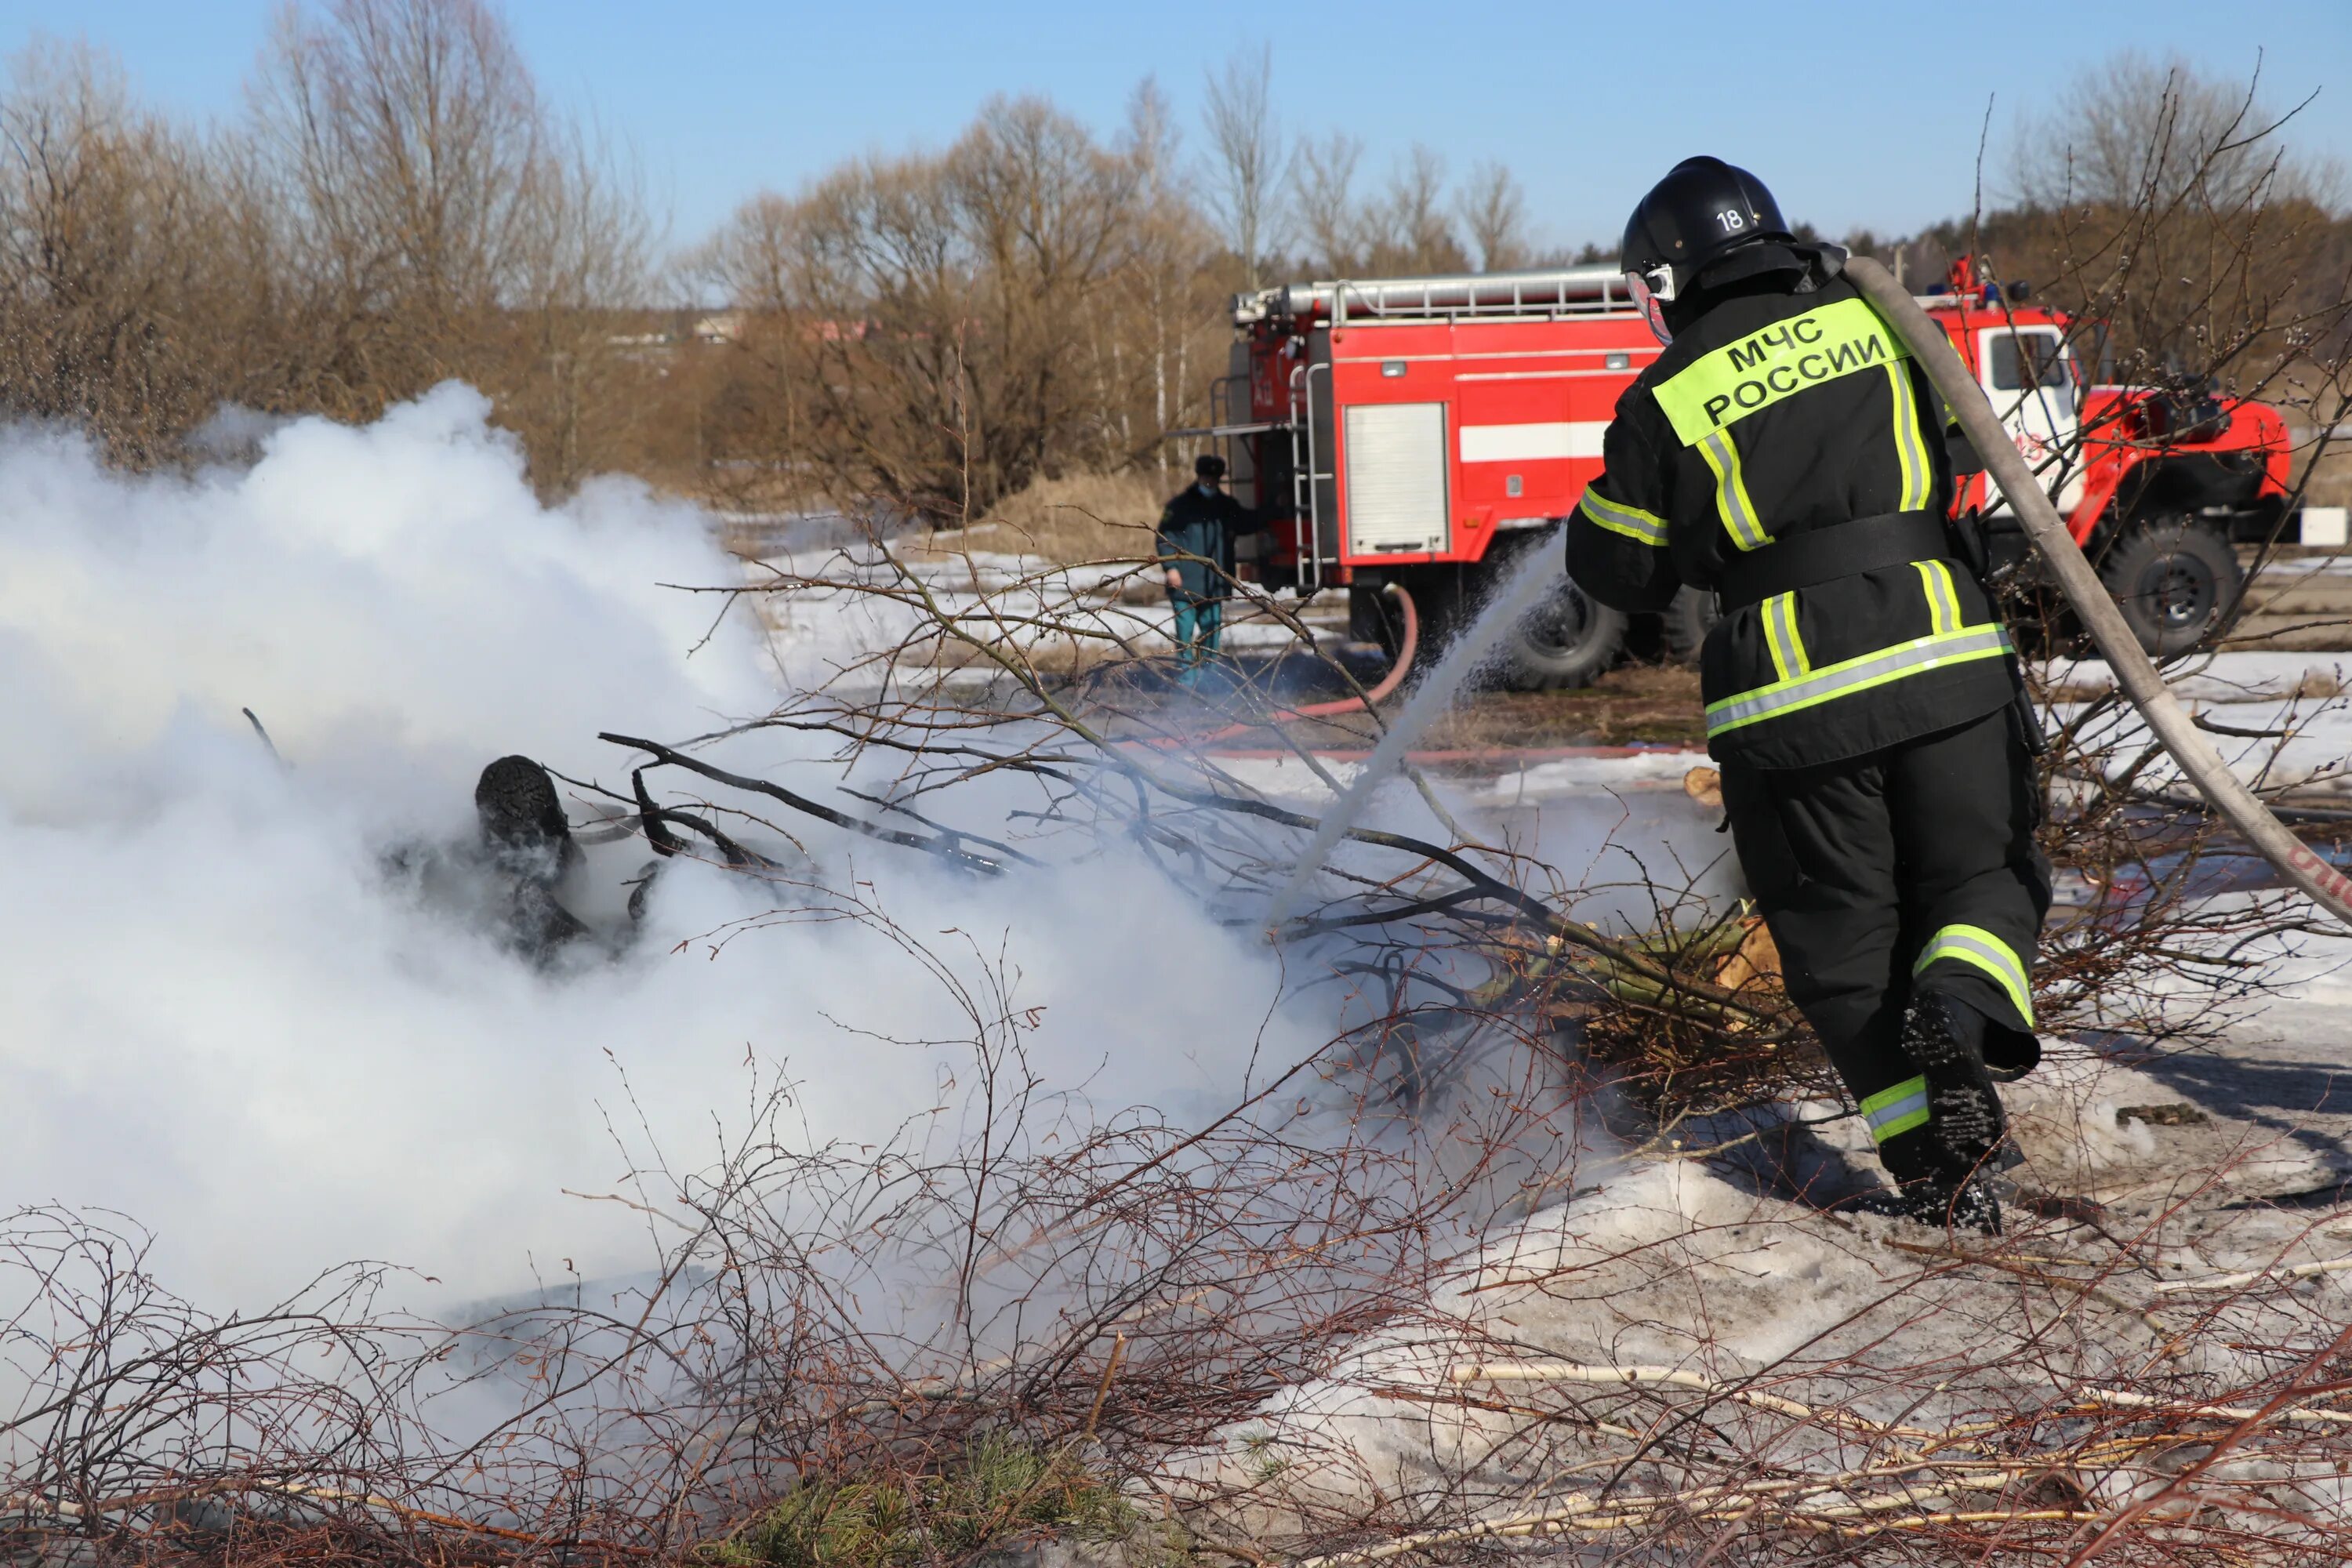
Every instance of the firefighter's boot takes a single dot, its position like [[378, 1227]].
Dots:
[[1969, 1207], [1967, 1130], [1928, 1192]]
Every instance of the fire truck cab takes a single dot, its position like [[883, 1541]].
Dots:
[[2157, 486], [1425, 433]]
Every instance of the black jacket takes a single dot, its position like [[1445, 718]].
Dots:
[[1787, 406], [1194, 524]]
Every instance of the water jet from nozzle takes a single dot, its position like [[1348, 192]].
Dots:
[[1537, 573]]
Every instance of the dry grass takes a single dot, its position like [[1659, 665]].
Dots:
[[1080, 517], [2330, 478], [999, 1492]]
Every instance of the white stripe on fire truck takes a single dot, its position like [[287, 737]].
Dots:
[[1527, 443]]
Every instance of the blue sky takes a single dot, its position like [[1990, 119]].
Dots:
[[1855, 115]]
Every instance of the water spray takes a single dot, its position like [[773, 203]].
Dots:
[[1520, 593]]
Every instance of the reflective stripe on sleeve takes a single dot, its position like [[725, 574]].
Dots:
[[1910, 443], [1943, 598], [1641, 527], [1779, 613], [1855, 675], [1977, 946], [1897, 1109], [1731, 499]]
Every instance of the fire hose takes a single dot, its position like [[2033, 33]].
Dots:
[[2135, 673], [1408, 643]]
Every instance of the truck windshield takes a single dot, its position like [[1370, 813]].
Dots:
[[2009, 361]]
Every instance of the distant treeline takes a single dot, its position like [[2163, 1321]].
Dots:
[[397, 205]]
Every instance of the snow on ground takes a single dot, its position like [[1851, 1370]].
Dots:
[[1565, 772], [2225, 677], [2291, 566], [2297, 706], [1608, 770], [1721, 1267], [849, 605], [1702, 1269]]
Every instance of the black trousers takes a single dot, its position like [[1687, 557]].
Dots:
[[1909, 868]]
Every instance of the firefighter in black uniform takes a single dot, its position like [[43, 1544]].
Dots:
[[1863, 703]]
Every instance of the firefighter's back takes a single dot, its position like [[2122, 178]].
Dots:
[[1796, 472]]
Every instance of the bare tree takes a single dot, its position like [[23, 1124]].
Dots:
[[453, 225], [960, 324], [2139, 130], [1248, 163], [1493, 210], [118, 298], [412, 151], [397, 207], [1328, 218], [1410, 230], [1171, 256]]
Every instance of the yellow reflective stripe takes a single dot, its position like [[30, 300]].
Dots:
[[1727, 386], [1849, 676], [1898, 1110], [1647, 528], [1779, 613], [1943, 596], [1910, 443], [1731, 493], [1977, 946]]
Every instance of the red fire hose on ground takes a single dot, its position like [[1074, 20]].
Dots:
[[1407, 644]]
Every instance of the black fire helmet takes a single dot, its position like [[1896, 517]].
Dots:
[[1702, 208]]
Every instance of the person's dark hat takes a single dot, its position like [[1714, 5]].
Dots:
[[1208, 466]]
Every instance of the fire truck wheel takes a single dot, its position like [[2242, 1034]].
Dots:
[[1683, 625], [2175, 579], [1568, 640]]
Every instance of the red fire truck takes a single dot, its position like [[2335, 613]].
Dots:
[[1425, 432]]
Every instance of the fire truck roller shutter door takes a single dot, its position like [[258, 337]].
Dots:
[[1397, 492]]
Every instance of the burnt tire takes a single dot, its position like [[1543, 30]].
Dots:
[[2176, 581], [1565, 641], [1683, 625]]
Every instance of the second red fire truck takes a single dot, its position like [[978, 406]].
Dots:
[[1425, 432]]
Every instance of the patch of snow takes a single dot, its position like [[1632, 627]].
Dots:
[[1663, 768], [2246, 677]]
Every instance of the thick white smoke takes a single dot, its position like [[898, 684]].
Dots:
[[227, 1019]]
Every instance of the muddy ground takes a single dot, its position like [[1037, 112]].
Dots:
[[1636, 704], [1632, 704]]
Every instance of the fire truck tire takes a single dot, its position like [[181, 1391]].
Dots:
[[1683, 625], [2175, 579], [1568, 640]]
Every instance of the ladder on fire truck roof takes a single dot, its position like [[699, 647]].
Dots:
[[1548, 293], [1545, 295]]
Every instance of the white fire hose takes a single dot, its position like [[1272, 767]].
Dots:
[[2295, 860]]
